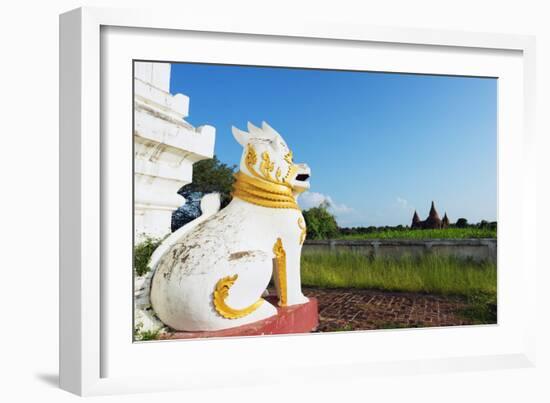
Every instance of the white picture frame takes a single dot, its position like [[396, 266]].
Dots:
[[91, 343]]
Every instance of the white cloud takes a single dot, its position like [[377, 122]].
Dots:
[[400, 210], [403, 203], [309, 200], [340, 208]]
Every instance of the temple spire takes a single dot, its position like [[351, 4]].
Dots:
[[445, 222], [433, 220], [433, 212], [415, 220]]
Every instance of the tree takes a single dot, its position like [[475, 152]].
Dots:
[[461, 223], [209, 176], [321, 224]]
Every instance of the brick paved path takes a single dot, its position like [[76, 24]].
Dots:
[[353, 309]]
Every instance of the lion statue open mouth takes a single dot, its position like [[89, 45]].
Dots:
[[212, 272]]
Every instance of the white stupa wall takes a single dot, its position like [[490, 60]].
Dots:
[[165, 149]]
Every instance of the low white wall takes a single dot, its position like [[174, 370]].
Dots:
[[476, 249]]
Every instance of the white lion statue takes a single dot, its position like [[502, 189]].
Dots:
[[211, 273]]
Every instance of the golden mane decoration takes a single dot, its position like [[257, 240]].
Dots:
[[262, 188], [267, 167]]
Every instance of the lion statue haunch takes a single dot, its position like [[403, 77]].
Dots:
[[211, 273]]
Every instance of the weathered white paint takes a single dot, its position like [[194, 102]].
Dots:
[[237, 240], [165, 149], [145, 318], [210, 205]]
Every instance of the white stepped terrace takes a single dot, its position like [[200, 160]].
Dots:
[[165, 148]]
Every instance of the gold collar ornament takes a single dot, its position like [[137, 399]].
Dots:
[[263, 193], [261, 188]]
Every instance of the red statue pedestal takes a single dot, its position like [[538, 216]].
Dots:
[[303, 318]]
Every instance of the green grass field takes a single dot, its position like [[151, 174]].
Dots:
[[447, 233], [429, 274]]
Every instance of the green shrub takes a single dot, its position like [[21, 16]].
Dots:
[[320, 223], [142, 254], [461, 223], [481, 308], [348, 327], [145, 335]]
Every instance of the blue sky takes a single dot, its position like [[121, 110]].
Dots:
[[379, 145]]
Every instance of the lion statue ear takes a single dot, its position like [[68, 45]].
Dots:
[[272, 134], [269, 132], [240, 136], [253, 130], [265, 133], [267, 128]]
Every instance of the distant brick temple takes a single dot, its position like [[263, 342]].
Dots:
[[432, 222]]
